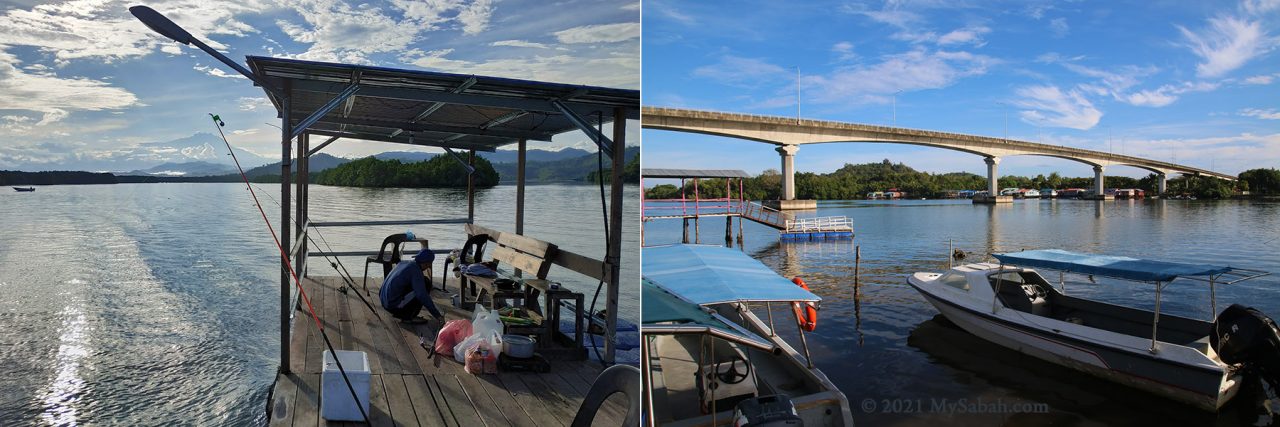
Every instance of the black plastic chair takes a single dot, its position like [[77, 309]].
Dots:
[[471, 252], [388, 260], [623, 379]]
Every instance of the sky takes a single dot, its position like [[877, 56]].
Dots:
[[84, 79], [1195, 83]]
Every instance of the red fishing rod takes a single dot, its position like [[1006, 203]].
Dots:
[[297, 282]]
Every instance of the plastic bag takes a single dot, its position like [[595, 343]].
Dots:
[[482, 355], [485, 321], [491, 341], [451, 334]]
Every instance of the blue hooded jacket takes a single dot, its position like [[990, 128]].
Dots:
[[407, 278]]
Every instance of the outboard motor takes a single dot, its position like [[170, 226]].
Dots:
[[1246, 336]]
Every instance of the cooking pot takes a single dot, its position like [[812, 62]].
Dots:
[[517, 346]]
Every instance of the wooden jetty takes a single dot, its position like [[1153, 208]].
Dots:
[[410, 389]]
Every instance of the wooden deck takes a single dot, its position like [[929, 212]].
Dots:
[[407, 388]]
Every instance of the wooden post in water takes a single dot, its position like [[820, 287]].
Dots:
[[857, 267], [685, 238], [728, 231]]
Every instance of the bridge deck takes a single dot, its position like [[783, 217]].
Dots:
[[410, 389]]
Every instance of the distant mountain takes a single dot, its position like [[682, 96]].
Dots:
[[509, 156], [500, 156], [563, 170], [185, 169], [199, 147], [317, 163]]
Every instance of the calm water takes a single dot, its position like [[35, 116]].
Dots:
[[881, 341], [157, 303]]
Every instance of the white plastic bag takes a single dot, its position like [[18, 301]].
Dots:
[[485, 321]]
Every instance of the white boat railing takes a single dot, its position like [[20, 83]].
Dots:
[[820, 224]]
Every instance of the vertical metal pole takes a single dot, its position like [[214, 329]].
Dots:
[[299, 190], [1213, 300], [615, 231], [697, 235], [1155, 323], [951, 252], [804, 343], [520, 162], [286, 129], [768, 306], [471, 188]]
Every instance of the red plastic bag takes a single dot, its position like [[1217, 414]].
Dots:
[[451, 334]]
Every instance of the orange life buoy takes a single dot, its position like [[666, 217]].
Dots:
[[808, 316]]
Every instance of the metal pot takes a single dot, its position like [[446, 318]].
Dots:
[[517, 346]]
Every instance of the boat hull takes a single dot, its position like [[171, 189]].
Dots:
[[1207, 389]]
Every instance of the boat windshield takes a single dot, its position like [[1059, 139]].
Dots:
[[665, 313]]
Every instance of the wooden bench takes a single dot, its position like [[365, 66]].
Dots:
[[532, 258], [528, 256]]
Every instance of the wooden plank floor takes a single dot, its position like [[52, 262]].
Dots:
[[410, 389]]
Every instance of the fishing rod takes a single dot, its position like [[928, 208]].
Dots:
[[218, 123], [338, 266]]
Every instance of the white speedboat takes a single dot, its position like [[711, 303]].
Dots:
[[707, 358], [1011, 304]]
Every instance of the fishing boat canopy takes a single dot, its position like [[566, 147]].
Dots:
[[666, 313], [705, 274], [1119, 267]]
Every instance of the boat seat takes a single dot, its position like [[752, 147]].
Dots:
[[1014, 297]]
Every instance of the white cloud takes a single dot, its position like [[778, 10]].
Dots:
[[1227, 44], [520, 43], [915, 70], [1049, 105], [603, 33], [844, 51], [1059, 27], [898, 18], [217, 72], [1268, 114], [618, 69], [1259, 7], [338, 31], [53, 96], [1262, 79], [1166, 94], [475, 17], [971, 35], [736, 70], [255, 103]]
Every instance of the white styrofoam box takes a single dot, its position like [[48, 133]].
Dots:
[[336, 403]]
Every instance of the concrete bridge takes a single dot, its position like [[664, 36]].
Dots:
[[790, 133]]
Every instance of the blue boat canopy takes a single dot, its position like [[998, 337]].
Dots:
[[1110, 266], [704, 274], [664, 313]]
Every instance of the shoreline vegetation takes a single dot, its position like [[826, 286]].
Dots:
[[438, 171], [854, 182]]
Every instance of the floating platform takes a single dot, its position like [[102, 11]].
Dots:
[[821, 228], [410, 389]]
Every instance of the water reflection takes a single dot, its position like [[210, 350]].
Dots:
[[62, 396]]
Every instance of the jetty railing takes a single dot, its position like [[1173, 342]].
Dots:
[[819, 224]]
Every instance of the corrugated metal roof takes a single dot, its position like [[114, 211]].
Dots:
[[435, 109], [693, 173]]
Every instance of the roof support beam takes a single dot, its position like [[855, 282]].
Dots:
[[326, 108], [478, 100], [438, 105], [601, 141], [326, 143], [429, 127], [401, 140], [491, 123], [469, 168]]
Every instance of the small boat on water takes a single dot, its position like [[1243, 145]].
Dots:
[[1194, 361], [24, 189], [708, 359]]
